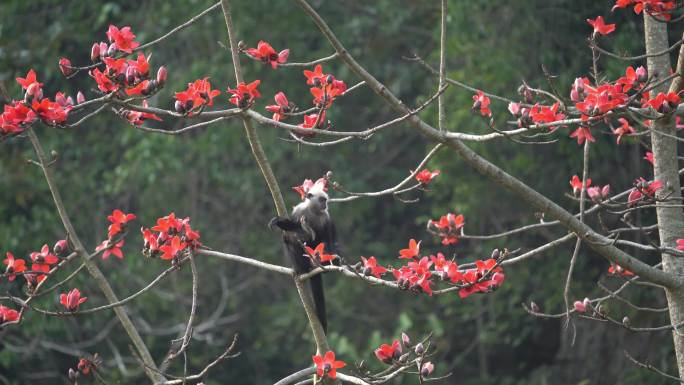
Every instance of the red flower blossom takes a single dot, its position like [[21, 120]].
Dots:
[[371, 267], [138, 117], [172, 248], [663, 103], [545, 114], [481, 103], [119, 220], [326, 365], [65, 66], [643, 188], [426, 176], [315, 77], [267, 54], [303, 189], [624, 129], [600, 27], [617, 269], [244, 94], [29, 80], [111, 248], [123, 38], [680, 244], [319, 253], [197, 94], [387, 353], [412, 252], [581, 306], [582, 133], [649, 157], [51, 113], [14, 266], [72, 300], [281, 107], [632, 77], [15, 117], [576, 184], [474, 279], [168, 224], [310, 121], [448, 227], [326, 93], [42, 260], [104, 83], [8, 315]]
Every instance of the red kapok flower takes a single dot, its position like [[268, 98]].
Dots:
[[617, 269], [600, 27], [426, 176], [576, 184], [624, 129], [123, 38], [481, 103], [244, 94], [649, 157], [386, 353], [412, 252], [72, 299], [371, 267], [29, 80], [326, 364], [171, 249], [281, 107], [110, 248], [14, 266], [8, 315], [319, 253], [315, 77], [267, 54], [582, 134], [119, 220]]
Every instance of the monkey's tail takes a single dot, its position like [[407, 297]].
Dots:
[[319, 300]]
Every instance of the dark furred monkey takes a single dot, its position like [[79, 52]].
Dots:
[[309, 225]]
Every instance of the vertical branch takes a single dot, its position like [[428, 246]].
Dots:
[[442, 68], [670, 219], [262, 161], [578, 243], [95, 273]]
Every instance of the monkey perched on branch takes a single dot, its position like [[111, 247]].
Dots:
[[309, 225]]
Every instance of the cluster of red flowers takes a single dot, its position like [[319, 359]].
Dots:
[[72, 299], [390, 354], [115, 241], [370, 267], [84, 367], [595, 193], [42, 263], [418, 273], [266, 54], [197, 95], [326, 365], [661, 8], [170, 238], [8, 315], [614, 269], [308, 184], [426, 176], [22, 113], [448, 227], [642, 189]]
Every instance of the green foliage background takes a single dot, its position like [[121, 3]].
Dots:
[[210, 176]]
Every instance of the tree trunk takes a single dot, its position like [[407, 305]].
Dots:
[[670, 219]]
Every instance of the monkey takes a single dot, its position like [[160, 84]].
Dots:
[[309, 225]]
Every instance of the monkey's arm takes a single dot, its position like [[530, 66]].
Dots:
[[284, 223]]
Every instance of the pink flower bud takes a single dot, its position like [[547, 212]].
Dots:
[[65, 66], [605, 191], [69, 101], [61, 248], [405, 339], [80, 98], [514, 108], [111, 50], [95, 52], [426, 369], [419, 349], [33, 90], [594, 193], [161, 76], [642, 74], [103, 49], [580, 307]]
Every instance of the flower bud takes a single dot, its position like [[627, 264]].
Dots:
[[496, 254], [95, 52], [642, 74], [131, 74], [65, 66], [69, 101], [405, 339], [80, 98], [605, 191], [151, 86], [426, 369], [179, 106], [61, 248], [161, 76], [419, 349], [103, 49], [625, 321], [580, 307], [111, 50]]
